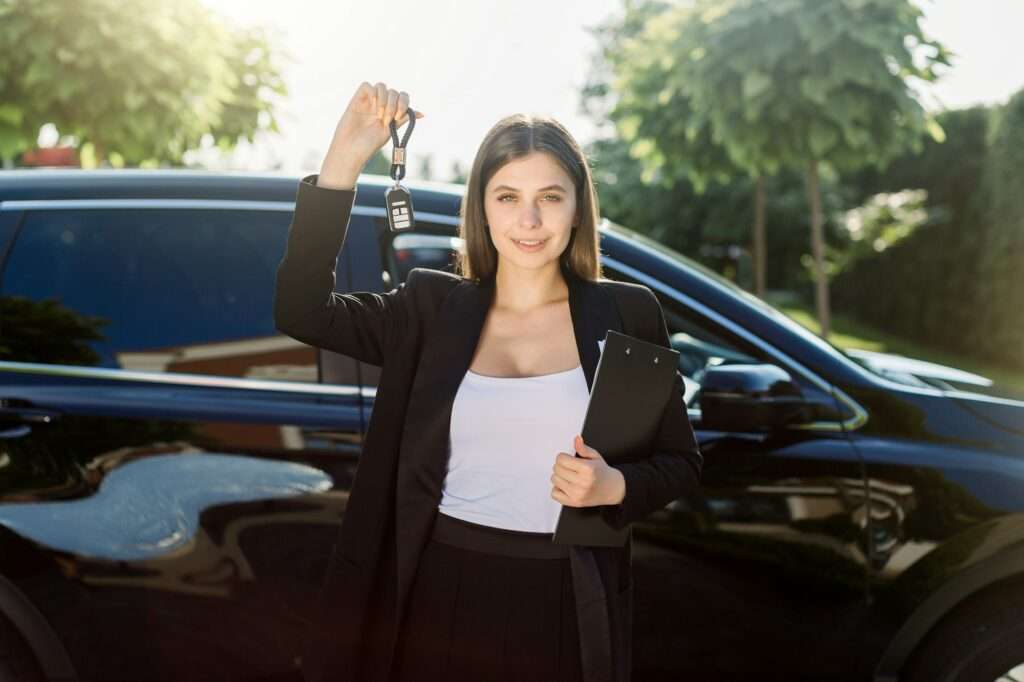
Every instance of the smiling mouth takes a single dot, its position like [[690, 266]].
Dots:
[[529, 242]]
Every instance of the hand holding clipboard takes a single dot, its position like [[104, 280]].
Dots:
[[632, 385]]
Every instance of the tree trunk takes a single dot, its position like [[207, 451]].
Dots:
[[818, 250], [759, 238]]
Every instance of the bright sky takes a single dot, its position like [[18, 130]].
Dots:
[[467, 64]]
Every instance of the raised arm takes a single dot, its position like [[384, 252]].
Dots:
[[363, 325]]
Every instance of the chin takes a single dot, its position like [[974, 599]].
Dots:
[[528, 261]]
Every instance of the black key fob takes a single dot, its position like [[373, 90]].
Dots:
[[399, 208]]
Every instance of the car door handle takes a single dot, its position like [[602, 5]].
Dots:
[[23, 412]]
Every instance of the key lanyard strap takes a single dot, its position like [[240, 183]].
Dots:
[[398, 153]]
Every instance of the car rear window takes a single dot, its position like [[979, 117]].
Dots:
[[156, 286]]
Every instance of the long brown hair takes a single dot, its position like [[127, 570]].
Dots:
[[510, 138]]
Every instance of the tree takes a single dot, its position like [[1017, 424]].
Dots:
[[802, 83], [656, 117], [132, 82], [674, 194], [761, 86]]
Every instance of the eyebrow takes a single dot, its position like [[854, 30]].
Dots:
[[542, 189]]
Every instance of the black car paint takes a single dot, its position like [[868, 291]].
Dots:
[[151, 529]]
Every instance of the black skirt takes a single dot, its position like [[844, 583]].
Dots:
[[489, 604]]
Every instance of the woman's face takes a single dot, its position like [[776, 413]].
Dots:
[[531, 199]]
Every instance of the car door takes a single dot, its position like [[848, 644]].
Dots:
[[734, 583], [191, 475]]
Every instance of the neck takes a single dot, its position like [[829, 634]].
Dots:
[[522, 290]]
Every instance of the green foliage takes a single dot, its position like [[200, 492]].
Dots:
[[47, 331], [714, 89], [957, 284], [946, 256], [948, 171], [709, 225], [1001, 268], [650, 112], [710, 87], [133, 81], [785, 82], [949, 277], [882, 222], [667, 170]]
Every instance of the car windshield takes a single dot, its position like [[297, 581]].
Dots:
[[893, 367]]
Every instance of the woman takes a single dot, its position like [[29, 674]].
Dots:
[[445, 567]]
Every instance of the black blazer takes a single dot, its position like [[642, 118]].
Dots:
[[423, 335]]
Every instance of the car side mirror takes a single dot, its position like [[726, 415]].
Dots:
[[751, 397]]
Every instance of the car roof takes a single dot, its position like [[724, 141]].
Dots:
[[438, 198], [55, 184], [41, 184]]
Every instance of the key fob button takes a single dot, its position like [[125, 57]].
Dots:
[[399, 209]]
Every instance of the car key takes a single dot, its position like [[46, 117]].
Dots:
[[399, 202], [399, 199]]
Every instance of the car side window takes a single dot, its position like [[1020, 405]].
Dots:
[[184, 290], [700, 341], [434, 248]]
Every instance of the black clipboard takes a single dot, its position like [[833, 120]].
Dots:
[[632, 385]]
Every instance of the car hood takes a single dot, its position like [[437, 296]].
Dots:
[[1000, 406], [915, 372]]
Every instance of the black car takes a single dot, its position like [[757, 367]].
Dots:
[[173, 469]]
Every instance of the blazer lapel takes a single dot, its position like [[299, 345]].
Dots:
[[446, 355]]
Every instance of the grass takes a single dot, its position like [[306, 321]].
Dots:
[[848, 332]]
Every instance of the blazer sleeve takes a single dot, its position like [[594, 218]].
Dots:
[[362, 325], [673, 469]]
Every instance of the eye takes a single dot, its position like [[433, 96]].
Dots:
[[546, 196]]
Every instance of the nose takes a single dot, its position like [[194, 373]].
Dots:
[[529, 216]]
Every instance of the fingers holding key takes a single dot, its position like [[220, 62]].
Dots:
[[398, 108], [403, 108], [362, 130], [390, 106], [380, 99]]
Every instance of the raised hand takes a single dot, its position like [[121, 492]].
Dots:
[[364, 127]]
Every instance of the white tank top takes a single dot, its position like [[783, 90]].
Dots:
[[505, 433]]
